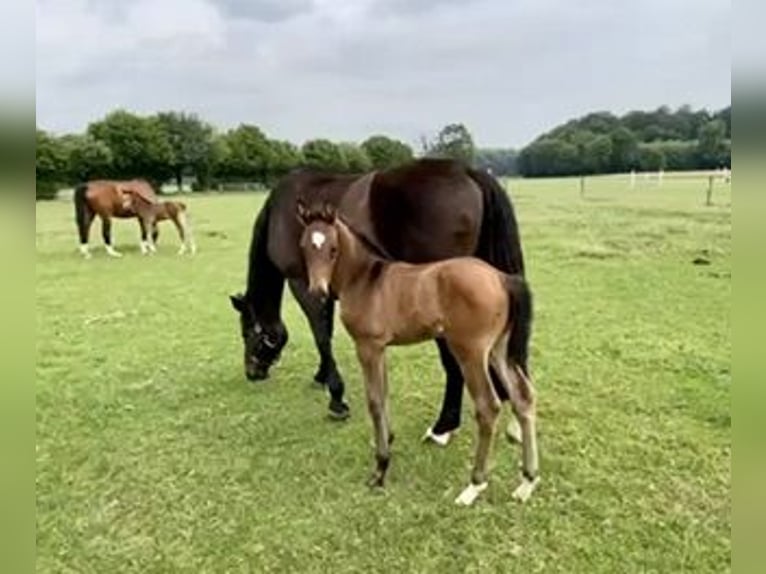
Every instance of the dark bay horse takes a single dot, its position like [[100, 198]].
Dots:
[[126, 199], [483, 315], [427, 210]]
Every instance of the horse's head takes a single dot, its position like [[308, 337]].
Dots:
[[263, 341], [320, 245]]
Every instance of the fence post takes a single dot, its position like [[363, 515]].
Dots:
[[582, 186], [709, 199]]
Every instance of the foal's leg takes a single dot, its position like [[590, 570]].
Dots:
[[144, 236], [474, 365], [522, 397], [106, 234], [320, 316], [372, 359]]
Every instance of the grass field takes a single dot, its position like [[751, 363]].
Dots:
[[154, 454]]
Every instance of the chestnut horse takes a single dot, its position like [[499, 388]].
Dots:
[[426, 210], [483, 315], [126, 199]]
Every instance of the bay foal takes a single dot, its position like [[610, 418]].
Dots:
[[483, 315]]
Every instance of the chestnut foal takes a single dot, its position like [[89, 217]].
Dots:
[[483, 314]]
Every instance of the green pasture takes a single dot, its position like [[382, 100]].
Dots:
[[155, 455]]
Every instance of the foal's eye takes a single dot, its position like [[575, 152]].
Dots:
[[333, 251]]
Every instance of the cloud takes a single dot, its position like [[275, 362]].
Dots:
[[264, 10], [338, 69]]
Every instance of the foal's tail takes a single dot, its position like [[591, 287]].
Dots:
[[82, 211], [520, 317]]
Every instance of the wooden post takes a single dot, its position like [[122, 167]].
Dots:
[[582, 186], [709, 199]]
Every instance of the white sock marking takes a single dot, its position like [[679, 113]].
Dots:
[[525, 489], [440, 439], [470, 494]]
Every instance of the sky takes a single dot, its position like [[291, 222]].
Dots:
[[341, 69]]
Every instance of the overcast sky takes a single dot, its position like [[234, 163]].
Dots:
[[342, 69]]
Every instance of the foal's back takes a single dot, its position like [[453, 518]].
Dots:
[[461, 296]]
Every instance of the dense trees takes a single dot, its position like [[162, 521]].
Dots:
[[603, 143], [172, 146]]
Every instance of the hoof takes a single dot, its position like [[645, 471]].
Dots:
[[113, 253], [470, 494], [439, 439], [338, 411], [525, 489], [376, 481], [513, 431]]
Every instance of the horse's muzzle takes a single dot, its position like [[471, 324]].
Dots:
[[257, 373], [319, 289]]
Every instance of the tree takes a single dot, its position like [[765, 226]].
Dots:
[[651, 158], [386, 153], [597, 154], [356, 158], [87, 158], [249, 154], [324, 155], [50, 165], [140, 148], [499, 161], [624, 150], [710, 145], [191, 142], [285, 157], [454, 141]]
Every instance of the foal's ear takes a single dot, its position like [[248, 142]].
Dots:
[[238, 302], [302, 211], [329, 212]]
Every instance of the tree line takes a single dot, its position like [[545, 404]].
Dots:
[[175, 146], [602, 142]]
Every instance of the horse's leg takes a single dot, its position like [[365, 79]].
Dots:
[[449, 417], [144, 236], [83, 228], [522, 398], [106, 234], [320, 317], [372, 359], [487, 408], [149, 224]]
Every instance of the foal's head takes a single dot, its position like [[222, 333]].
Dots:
[[319, 245]]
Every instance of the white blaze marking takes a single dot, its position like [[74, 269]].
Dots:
[[317, 239]]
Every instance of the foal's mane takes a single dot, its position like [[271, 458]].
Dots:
[[375, 250]]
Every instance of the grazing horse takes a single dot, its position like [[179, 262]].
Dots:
[[427, 210], [483, 315], [126, 199]]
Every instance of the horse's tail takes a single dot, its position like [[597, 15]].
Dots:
[[520, 318], [82, 210], [499, 240]]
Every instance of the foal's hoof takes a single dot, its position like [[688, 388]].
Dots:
[[338, 411], [525, 489], [440, 439], [470, 494]]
